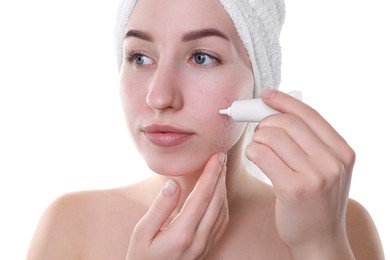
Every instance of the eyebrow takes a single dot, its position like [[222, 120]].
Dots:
[[189, 36], [197, 34], [138, 34]]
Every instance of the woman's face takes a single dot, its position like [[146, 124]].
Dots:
[[182, 62]]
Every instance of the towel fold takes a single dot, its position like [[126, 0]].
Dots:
[[258, 23]]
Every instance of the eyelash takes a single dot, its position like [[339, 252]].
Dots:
[[200, 52], [133, 55]]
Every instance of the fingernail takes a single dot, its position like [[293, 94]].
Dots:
[[267, 93], [169, 188], [222, 158]]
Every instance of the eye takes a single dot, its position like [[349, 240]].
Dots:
[[138, 58], [202, 58]]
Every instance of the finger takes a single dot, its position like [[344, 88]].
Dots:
[[216, 211], [153, 221], [289, 105], [279, 173], [218, 228], [221, 223], [286, 104], [280, 142], [211, 222], [288, 126], [200, 197]]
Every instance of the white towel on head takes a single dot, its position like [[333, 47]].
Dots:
[[124, 11], [258, 23]]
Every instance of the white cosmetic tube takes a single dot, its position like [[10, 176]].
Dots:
[[252, 110]]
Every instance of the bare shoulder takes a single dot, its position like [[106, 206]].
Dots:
[[75, 221], [362, 233]]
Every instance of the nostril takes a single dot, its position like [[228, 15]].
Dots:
[[163, 100]]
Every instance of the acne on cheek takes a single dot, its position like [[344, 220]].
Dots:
[[228, 133]]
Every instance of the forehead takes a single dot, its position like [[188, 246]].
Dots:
[[178, 16]]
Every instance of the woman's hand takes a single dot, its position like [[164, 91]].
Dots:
[[199, 224], [310, 166]]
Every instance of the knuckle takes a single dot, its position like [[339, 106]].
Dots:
[[256, 152], [277, 134], [198, 248], [318, 184], [292, 121], [250, 151], [350, 156], [291, 192], [311, 114], [185, 241], [139, 230], [306, 189], [270, 135], [334, 170], [207, 195], [160, 205], [284, 121], [331, 167]]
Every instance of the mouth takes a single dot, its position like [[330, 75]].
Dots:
[[166, 135]]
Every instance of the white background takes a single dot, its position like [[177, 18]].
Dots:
[[61, 124]]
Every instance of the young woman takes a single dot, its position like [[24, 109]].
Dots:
[[181, 61]]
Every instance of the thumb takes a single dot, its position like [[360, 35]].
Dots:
[[164, 204]]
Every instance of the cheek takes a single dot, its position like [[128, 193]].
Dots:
[[132, 99], [132, 93], [223, 133], [232, 132], [229, 134]]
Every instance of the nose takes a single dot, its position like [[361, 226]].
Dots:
[[164, 90]]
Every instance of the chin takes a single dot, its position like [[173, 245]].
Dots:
[[177, 166]]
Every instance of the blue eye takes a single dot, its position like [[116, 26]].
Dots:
[[138, 58], [202, 58]]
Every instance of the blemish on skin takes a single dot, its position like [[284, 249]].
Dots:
[[228, 101], [227, 130], [230, 130]]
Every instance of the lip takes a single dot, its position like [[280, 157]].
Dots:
[[166, 135]]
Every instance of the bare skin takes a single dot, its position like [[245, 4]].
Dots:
[[100, 224], [202, 204]]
